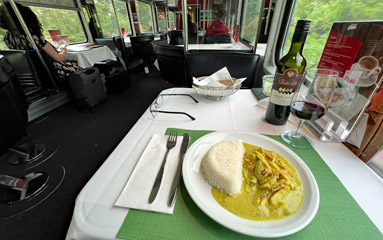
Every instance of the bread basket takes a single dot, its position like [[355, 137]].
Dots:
[[216, 93]]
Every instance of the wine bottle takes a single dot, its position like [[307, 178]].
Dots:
[[288, 76]]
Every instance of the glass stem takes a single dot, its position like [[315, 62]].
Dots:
[[297, 132]]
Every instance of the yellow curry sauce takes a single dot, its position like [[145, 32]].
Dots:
[[271, 187]]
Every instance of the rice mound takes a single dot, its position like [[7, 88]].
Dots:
[[222, 166]]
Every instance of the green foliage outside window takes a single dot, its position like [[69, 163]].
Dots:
[[171, 16], [250, 21], [2, 44], [161, 18], [123, 17], [67, 21], [323, 14], [144, 13], [107, 18]]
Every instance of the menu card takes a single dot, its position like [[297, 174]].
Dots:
[[355, 50]]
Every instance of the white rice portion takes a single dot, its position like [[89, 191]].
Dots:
[[222, 166]]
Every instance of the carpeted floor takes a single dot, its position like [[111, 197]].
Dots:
[[85, 140]]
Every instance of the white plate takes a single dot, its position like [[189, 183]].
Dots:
[[200, 191]]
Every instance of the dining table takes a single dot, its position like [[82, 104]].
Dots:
[[351, 194], [87, 55]]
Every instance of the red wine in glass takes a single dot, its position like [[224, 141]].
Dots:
[[307, 110], [310, 102]]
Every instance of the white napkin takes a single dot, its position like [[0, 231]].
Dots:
[[213, 80], [137, 190]]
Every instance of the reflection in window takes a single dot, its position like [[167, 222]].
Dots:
[[336, 10], [161, 18], [67, 21], [106, 16], [123, 17], [171, 16], [250, 19], [144, 13]]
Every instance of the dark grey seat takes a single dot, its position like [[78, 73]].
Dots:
[[142, 48], [171, 61], [13, 105], [239, 65], [28, 69], [176, 37], [217, 39]]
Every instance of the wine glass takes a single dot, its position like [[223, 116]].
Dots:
[[310, 102]]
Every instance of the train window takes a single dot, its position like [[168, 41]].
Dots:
[[250, 19], [171, 17], [161, 18], [145, 20], [67, 21], [323, 13], [107, 18], [123, 17]]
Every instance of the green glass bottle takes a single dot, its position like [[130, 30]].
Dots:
[[288, 76]]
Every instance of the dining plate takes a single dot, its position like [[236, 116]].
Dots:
[[200, 190]]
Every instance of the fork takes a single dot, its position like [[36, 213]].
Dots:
[[172, 140]]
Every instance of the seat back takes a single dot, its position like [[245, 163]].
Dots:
[[171, 61], [217, 39], [13, 105], [142, 46], [107, 42], [239, 65], [122, 53], [175, 37], [161, 35], [28, 69]]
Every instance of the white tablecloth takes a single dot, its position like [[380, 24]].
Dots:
[[95, 217], [86, 57]]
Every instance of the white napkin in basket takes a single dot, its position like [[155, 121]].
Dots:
[[213, 80], [137, 190]]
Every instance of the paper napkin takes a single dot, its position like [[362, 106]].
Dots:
[[213, 80], [137, 190]]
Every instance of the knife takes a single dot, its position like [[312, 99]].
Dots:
[[176, 180]]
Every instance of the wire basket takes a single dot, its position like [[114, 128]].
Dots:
[[216, 93]]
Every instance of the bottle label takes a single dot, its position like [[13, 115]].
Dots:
[[284, 86]]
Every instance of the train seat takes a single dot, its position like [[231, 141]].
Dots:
[[28, 69], [217, 39], [175, 37], [14, 123], [143, 49], [239, 65], [171, 61]]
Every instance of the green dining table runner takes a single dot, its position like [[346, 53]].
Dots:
[[338, 217]]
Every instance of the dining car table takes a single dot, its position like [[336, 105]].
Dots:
[[87, 55], [350, 193]]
